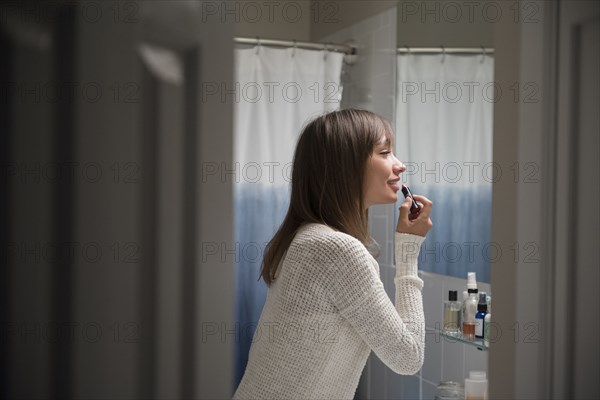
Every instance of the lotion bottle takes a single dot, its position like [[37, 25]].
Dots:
[[476, 386], [469, 308]]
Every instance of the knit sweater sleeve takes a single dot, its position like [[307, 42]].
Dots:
[[395, 333]]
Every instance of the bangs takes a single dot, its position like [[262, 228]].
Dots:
[[384, 132]]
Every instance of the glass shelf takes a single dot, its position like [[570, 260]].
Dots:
[[458, 337]]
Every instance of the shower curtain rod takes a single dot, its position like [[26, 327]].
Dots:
[[338, 48], [447, 50]]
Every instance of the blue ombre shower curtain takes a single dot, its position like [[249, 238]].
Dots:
[[444, 109], [276, 92]]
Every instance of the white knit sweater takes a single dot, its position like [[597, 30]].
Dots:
[[326, 310]]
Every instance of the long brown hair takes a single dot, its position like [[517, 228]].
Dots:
[[327, 179]]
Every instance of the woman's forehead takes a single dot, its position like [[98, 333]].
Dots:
[[385, 140]]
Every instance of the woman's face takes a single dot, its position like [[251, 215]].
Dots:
[[382, 172]]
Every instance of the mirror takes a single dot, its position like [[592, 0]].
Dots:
[[462, 207]]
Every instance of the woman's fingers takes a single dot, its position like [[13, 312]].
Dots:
[[419, 223], [425, 204], [405, 208]]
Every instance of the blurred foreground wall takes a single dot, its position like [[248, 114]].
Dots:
[[104, 209]]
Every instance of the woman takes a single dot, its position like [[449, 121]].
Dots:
[[326, 307]]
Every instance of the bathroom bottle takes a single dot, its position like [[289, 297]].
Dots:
[[449, 390], [480, 316], [476, 386], [486, 328], [452, 310], [469, 308]]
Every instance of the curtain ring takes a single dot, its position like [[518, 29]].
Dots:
[[407, 49], [257, 47], [482, 55], [325, 47], [443, 54], [294, 48]]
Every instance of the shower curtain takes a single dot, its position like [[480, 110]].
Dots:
[[444, 108], [276, 92]]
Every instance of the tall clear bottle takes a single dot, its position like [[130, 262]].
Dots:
[[469, 308], [452, 309]]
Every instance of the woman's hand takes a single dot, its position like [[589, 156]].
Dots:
[[417, 224]]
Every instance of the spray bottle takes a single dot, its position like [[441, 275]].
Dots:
[[469, 308], [480, 316]]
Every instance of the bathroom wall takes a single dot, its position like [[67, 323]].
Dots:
[[284, 19], [336, 15], [462, 23]]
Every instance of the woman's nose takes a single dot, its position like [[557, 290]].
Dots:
[[398, 166]]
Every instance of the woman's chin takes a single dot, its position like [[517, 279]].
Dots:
[[392, 199]]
